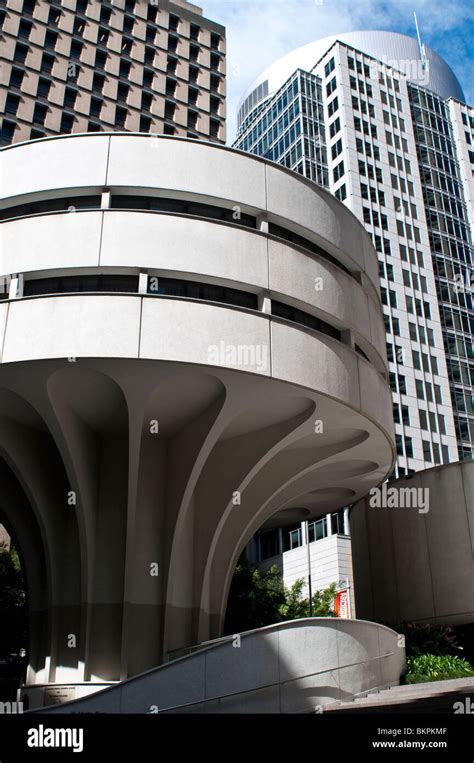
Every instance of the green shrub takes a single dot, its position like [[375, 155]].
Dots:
[[435, 667]]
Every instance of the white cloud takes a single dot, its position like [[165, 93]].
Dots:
[[261, 31]]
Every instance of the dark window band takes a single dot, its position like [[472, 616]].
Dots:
[[173, 287], [304, 319], [74, 284], [294, 238], [183, 207], [170, 206], [50, 205]]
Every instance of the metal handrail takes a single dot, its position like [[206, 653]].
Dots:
[[275, 683]]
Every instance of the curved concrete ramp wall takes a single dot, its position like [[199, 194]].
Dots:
[[420, 534], [291, 667]]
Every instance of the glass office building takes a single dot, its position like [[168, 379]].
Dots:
[[383, 125]]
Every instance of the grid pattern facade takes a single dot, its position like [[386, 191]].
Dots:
[[451, 246], [289, 129], [371, 159], [86, 66]]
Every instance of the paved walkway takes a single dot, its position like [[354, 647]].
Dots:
[[433, 697]]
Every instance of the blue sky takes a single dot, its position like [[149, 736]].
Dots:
[[260, 31]]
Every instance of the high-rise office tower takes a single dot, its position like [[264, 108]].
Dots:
[[381, 122], [69, 66]]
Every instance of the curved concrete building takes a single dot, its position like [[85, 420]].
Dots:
[[192, 342], [413, 552], [394, 49]]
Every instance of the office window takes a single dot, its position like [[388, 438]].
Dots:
[[192, 120], [149, 55], [194, 53], [100, 59], [215, 41], [124, 69], [145, 123], [292, 538], [54, 16], [147, 100], [96, 107], [192, 96], [148, 78], [335, 127], [67, 122], [7, 131], [24, 30], [16, 78], [173, 46], [338, 171], [331, 86], [150, 35], [194, 32], [213, 129], [39, 113], [127, 45], [105, 14], [70, 96], [79, 26], [122, 92], [47, 63], [330, 66], [170, 87], [21, 51], [81, 6], [426, 450], [28, 7], [129, 23], [171, 66], [120, 116], [93, 127], [98, 83], [333, 106], [399, 444], [336, 149], [215, 83], [51, 39], [170, 108], [11, 104]]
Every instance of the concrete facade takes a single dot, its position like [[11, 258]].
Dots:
[[418, 566], [294, 667], [157, 409], [84, 66]]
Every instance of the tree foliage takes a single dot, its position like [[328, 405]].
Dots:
[[260, 598], [12, 603]]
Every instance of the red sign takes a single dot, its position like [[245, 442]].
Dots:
[[341, 604]]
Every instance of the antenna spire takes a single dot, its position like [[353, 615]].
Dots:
[[420, 44]]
